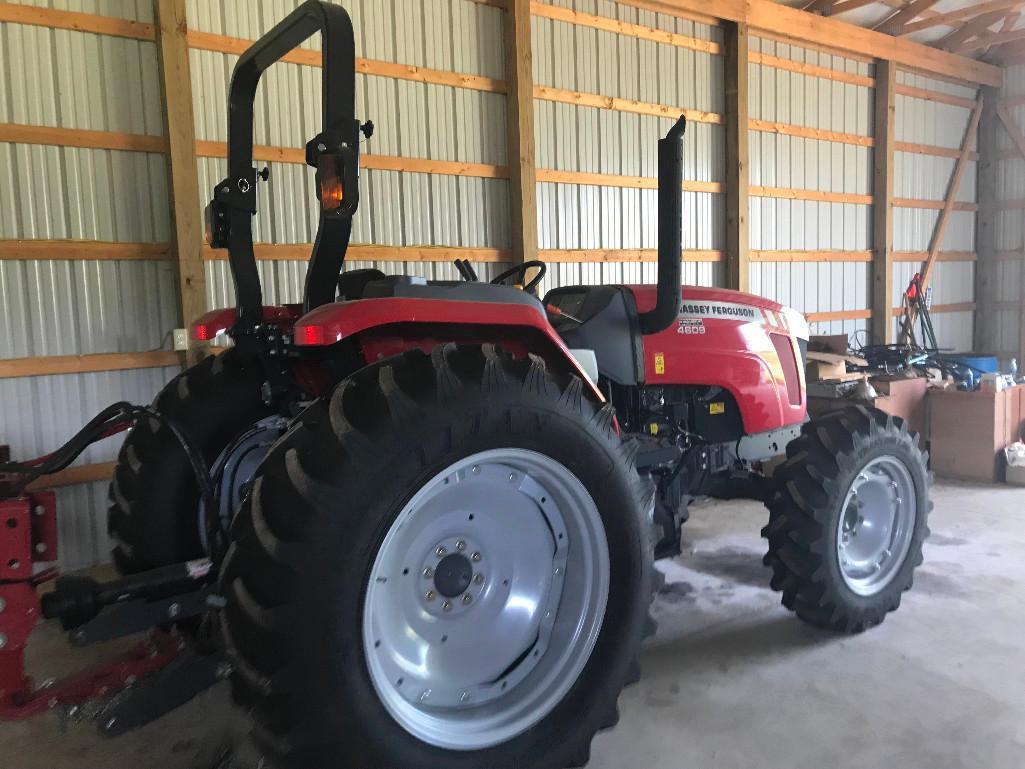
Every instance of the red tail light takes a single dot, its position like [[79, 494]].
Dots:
[[310, 335]]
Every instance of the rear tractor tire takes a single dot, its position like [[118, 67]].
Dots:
[[153, 517], [447, 563], [848, 519]]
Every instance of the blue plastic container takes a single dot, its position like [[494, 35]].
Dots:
[[986, 364]]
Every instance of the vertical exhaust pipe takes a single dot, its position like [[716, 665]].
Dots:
[[670, 236]]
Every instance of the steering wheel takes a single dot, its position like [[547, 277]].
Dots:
[[520, 270]]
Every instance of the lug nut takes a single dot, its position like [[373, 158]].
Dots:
[[428, 572], [475, 470], [478, 579], [429, 595], [447, 606], [475, 557], [467, 598], [460, 546], [440, 551]]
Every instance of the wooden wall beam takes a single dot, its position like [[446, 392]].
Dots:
[[183, 178], [987, 270], [21, 13], [767, 16], [519, 78], [735, 75], [81, 250], [606, 24], [208, 41], [17, 133], [883, 170], [49, 365]]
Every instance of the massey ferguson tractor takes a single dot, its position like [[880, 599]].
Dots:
[[422, 516]]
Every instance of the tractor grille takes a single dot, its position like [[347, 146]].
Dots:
[[785, 350]]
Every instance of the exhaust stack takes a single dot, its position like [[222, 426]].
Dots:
[[670, 226]]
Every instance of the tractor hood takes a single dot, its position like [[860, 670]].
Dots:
[[725, 304]]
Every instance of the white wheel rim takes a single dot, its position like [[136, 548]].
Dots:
[[877, 523], [485, 599]]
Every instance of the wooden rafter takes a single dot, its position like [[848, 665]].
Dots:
[[895, 24], [819, 6], [1010, 21], [997, 38], [969, 31], [844, 6], [952, 18]]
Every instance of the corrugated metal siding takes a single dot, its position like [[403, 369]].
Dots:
[[1011, 228], [782, 96], [413, 120], [575, 138], [76, 80], [926, 177]]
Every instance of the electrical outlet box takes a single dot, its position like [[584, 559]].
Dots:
[[181, 339]]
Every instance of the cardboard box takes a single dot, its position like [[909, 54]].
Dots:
[[834, 343], [904, 398], [969, 431]]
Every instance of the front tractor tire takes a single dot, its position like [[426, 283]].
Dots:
[[848, 519], [447, 563]]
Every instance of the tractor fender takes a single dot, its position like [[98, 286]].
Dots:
[[391, 325]]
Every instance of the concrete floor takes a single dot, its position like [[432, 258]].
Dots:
[[733, 680]]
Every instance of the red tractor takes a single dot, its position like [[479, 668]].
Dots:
[[435, 506]]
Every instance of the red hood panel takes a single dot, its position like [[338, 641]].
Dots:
[[645, 297]]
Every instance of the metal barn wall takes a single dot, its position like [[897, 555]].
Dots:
[[1010, 307], [570, 137], [414, 120], [796, 162], [72, 79], [926, 177]]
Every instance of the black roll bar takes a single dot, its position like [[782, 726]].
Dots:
[[234, 199]]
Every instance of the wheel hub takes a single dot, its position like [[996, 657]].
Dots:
[[453, 575], [877, 522], [462, 625]]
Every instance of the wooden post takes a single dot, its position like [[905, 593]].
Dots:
[[987, 267], [882, 201], [186, 216], [1014, 131], [735, 64], [519, 75]]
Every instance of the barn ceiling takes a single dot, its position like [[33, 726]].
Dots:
[[991, 30]]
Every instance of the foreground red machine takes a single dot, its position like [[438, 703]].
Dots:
[[433, 507]]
